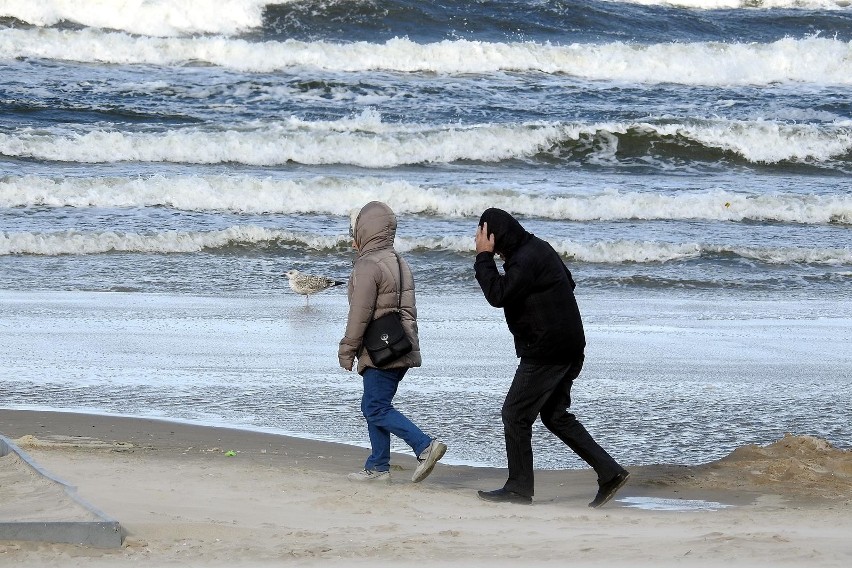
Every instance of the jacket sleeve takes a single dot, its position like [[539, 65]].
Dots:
[[362, 303], [500, 290]]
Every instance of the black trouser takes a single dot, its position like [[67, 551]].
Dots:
[[546, 390]]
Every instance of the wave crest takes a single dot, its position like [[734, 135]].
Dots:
[[812, 60], [366, 141], [338, 196], [169, 242], [148, 17], [167, 18], [606, 252]]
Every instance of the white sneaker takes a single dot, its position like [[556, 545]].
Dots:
[[428, 458], [370, 475]]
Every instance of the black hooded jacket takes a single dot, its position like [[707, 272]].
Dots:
[[536, 292]]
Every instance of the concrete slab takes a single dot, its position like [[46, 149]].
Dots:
[[75, 521]]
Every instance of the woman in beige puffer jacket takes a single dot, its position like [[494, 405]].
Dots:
[[373, 284], [377, 276]]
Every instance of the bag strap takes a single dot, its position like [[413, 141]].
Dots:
[[399, 288], [398, 291]]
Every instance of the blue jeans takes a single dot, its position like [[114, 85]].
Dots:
[[383, 419]]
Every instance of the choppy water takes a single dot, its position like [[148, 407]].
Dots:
[[693, 150]]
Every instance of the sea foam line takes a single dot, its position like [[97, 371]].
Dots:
[[73, 242], [366, 141], [145, 17], [812, 59], [164, 18], [338, 196], [358, 142]]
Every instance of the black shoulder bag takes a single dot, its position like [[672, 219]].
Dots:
[[385, 338]]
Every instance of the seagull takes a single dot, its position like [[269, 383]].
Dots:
[[307, 284]]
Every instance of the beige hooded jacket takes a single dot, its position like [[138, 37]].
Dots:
[[374, 282]]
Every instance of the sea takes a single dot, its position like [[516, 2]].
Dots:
[[162, 164]]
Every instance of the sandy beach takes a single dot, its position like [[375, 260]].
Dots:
[[182, 499]]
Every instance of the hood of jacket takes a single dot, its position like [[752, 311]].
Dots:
[[508, 232], [374, 228]]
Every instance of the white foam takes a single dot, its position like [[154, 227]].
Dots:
[[766, 141], [146, 17], [368, 142], [778, 255], [74, 242], [620, 251], [228, 17], [338, 196], [631, 251], [812, 59], [356, 142]]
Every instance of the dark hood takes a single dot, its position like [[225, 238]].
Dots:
[[508, 233]]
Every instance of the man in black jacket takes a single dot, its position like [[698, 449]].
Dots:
[[536, 293]]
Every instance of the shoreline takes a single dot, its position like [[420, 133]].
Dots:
[[714, 382], [180, 498]]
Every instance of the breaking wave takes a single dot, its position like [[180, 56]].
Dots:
[[148, 17], [166, 18], [338, 196], [366, 141], [814, 59], [73, 242]]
